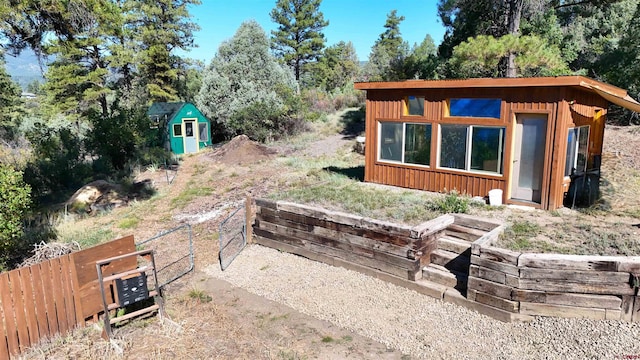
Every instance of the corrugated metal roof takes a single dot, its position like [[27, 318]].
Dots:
[[168, 109]]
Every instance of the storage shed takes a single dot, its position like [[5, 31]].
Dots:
[[184, 127], [528, 137]]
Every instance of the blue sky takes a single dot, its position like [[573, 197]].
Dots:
[[358, 21]]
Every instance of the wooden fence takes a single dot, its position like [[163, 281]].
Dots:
[[55, 296]]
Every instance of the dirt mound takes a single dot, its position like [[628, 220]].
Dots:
[[241, 150]]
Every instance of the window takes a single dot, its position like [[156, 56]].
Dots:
[[487, 108], [417, 145], [405, 143], [471, 148], [415, 105], [177, 129], [203, 132], [391, 141], [577, 150]]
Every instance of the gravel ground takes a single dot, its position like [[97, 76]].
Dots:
[[416, 324]]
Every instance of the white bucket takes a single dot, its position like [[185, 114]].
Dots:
[[495, 197]]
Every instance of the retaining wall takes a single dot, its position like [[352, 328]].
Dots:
[[596, 287]]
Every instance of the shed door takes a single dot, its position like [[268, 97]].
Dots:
[[528, 160], [190, 136]]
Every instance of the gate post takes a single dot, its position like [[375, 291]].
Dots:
[[249, 219]]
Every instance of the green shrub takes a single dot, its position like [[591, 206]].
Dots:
[[453, 202], [15, 200]]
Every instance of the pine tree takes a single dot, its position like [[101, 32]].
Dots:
[[299, 38], [164, 27], [386, 60]]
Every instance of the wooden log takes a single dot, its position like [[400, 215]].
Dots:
[[401, 251], [451, 261], [580, 300], [461, 235], [386, 226], [278, 245], [489, 287], [453, 296], [475, 233], [431, 227], [487, 274], [630, 264], [569, 262], [502, 267], [611, 314], [323, 214], [486, 240], [561, 311], [268, 204], [454, 245], [366, 233], [280, 221], [499, 255], [475, 222], [552, 285], [497, 302], [575, 275], [635, 316], [513, 281], [627, 307]]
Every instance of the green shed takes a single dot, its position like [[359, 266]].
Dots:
[[186, 130]]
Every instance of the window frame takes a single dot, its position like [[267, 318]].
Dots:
[[205, 132], [469, 149], [403, 145], [406, 110], [174, 130], [574, 162], [466, 117]]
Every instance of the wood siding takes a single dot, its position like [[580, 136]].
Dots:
[[564, 107]]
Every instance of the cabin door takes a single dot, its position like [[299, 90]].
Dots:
[[190, 137], [528, 158]]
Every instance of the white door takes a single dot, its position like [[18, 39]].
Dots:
[[528, 160], [190, 137]]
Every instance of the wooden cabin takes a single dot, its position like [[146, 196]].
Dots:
[[528, 137], [184, 128]]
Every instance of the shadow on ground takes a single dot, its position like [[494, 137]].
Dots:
[[353, 122], [355, 173]]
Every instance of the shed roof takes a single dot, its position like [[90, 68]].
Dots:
[[168, 109], [611, 93]]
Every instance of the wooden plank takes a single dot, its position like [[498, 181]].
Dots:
[[77, 295], [489, 287], [40, 296], [451, 261], [50, 304], [87, 277], [630, 264], [323, 214], [26, 283], [475, 222], [627, 307], [461, 235], [65, 267], [569, 262], [576, 275], [497, 302], [454, 297], [58, 295], [19, 309], [264, 203], [561, 311], [487, 274], [575, 287], [9, 315], [635, 316], [432, 226], [611, 314], [274, 244], [4, 346], [454, 245], [502, 267], [580, 300], [499, 255], [486, 240], [475, 233], [296, 237]]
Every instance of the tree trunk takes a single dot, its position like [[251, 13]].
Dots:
[[514, 15]]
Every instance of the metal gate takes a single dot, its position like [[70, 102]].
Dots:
[[233, 235], [173, 253]]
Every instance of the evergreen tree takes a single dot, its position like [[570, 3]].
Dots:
[[10, 103], [244, 89], [299, 38], [337, 67], [422, 62], [386, 60], [164, 27]]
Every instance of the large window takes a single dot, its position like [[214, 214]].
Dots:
[[471, 148], [577, 150], [415, 105], [405, 142], [487, 108]]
